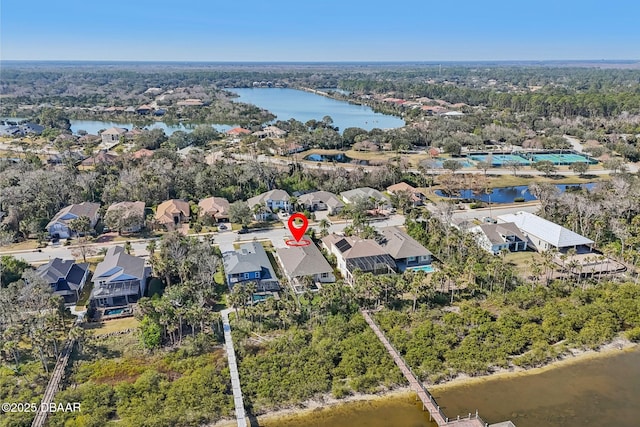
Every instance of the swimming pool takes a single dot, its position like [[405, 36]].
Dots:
[[425, 268], [113, 311]]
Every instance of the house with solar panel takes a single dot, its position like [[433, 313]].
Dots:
[[65, 277], [354, 253], [544, 235], [120, 279]]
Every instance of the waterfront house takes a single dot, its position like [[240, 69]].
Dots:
[[495, 237], [353, 253], [101, 158], [407, 252], [216, 208], [112, 135], [171, 213], [299, 262], [144, 109], [543, 235], [321, 201], [119, 280], [415, 196], [238, 131], [60, 225], [250, 263], [65, 277]]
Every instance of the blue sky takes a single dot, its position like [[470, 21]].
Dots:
[[330, 30]]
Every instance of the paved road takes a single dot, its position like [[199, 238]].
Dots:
[[233, 370], [224, 240]]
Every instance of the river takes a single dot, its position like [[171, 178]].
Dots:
[[94, 126], [600, 391], [304, 106]]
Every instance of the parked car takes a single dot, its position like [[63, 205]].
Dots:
[[489, 220], [243, 231], [222, 227]]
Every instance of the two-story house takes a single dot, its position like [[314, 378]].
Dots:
[[59, 226], [495, 237], [250, 263], [216, 208], [404, 249], [265, 204], [299, 262], [112, 135], [119, 280], [65, 277]]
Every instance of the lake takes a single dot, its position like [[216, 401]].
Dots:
[[597, 392], [304, 106], [508, 194], [93, 126]]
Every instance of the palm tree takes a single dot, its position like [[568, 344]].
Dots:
[[324, 226]]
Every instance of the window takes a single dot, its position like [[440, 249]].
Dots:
[[247, 275]]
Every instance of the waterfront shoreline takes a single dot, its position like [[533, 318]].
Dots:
[[327, 401]]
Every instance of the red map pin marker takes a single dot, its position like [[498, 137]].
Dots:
[[298, 232]]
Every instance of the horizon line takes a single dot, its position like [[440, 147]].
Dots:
[[412, 61]]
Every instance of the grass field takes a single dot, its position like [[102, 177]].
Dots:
[[109, 326]]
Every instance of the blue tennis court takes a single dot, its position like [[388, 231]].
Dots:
[[498, 160]]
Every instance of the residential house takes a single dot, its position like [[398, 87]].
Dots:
[[119, 280], [544, 235], [131, 214], [65, 277], [404, 249], [238, 131], [112, 135], [193, 102], [495, 237], [321, 201], [144, 109], [216, 208], [415, 196], [59, 226], [250, 263], [31, 128], [272, 132], [299, 262], [142, 153], [353, 254], [381, 201], [172, 212], [269, 202], [101, 158]]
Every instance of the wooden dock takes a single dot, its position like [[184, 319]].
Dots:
[[53, 385], [238, 400], [428, 402]]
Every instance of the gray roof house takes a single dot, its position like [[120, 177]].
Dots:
[[404, 249], [543, 234], [271, 200], [321, 201], [59, 224], [495, 237], [119, 280], [131, 214], [65, 277], [250, 263], [351, 196], [302, 261], [353, 254]]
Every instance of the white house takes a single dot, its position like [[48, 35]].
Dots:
[[543, 234], [59, 226], [366, 193], [274, 200]]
